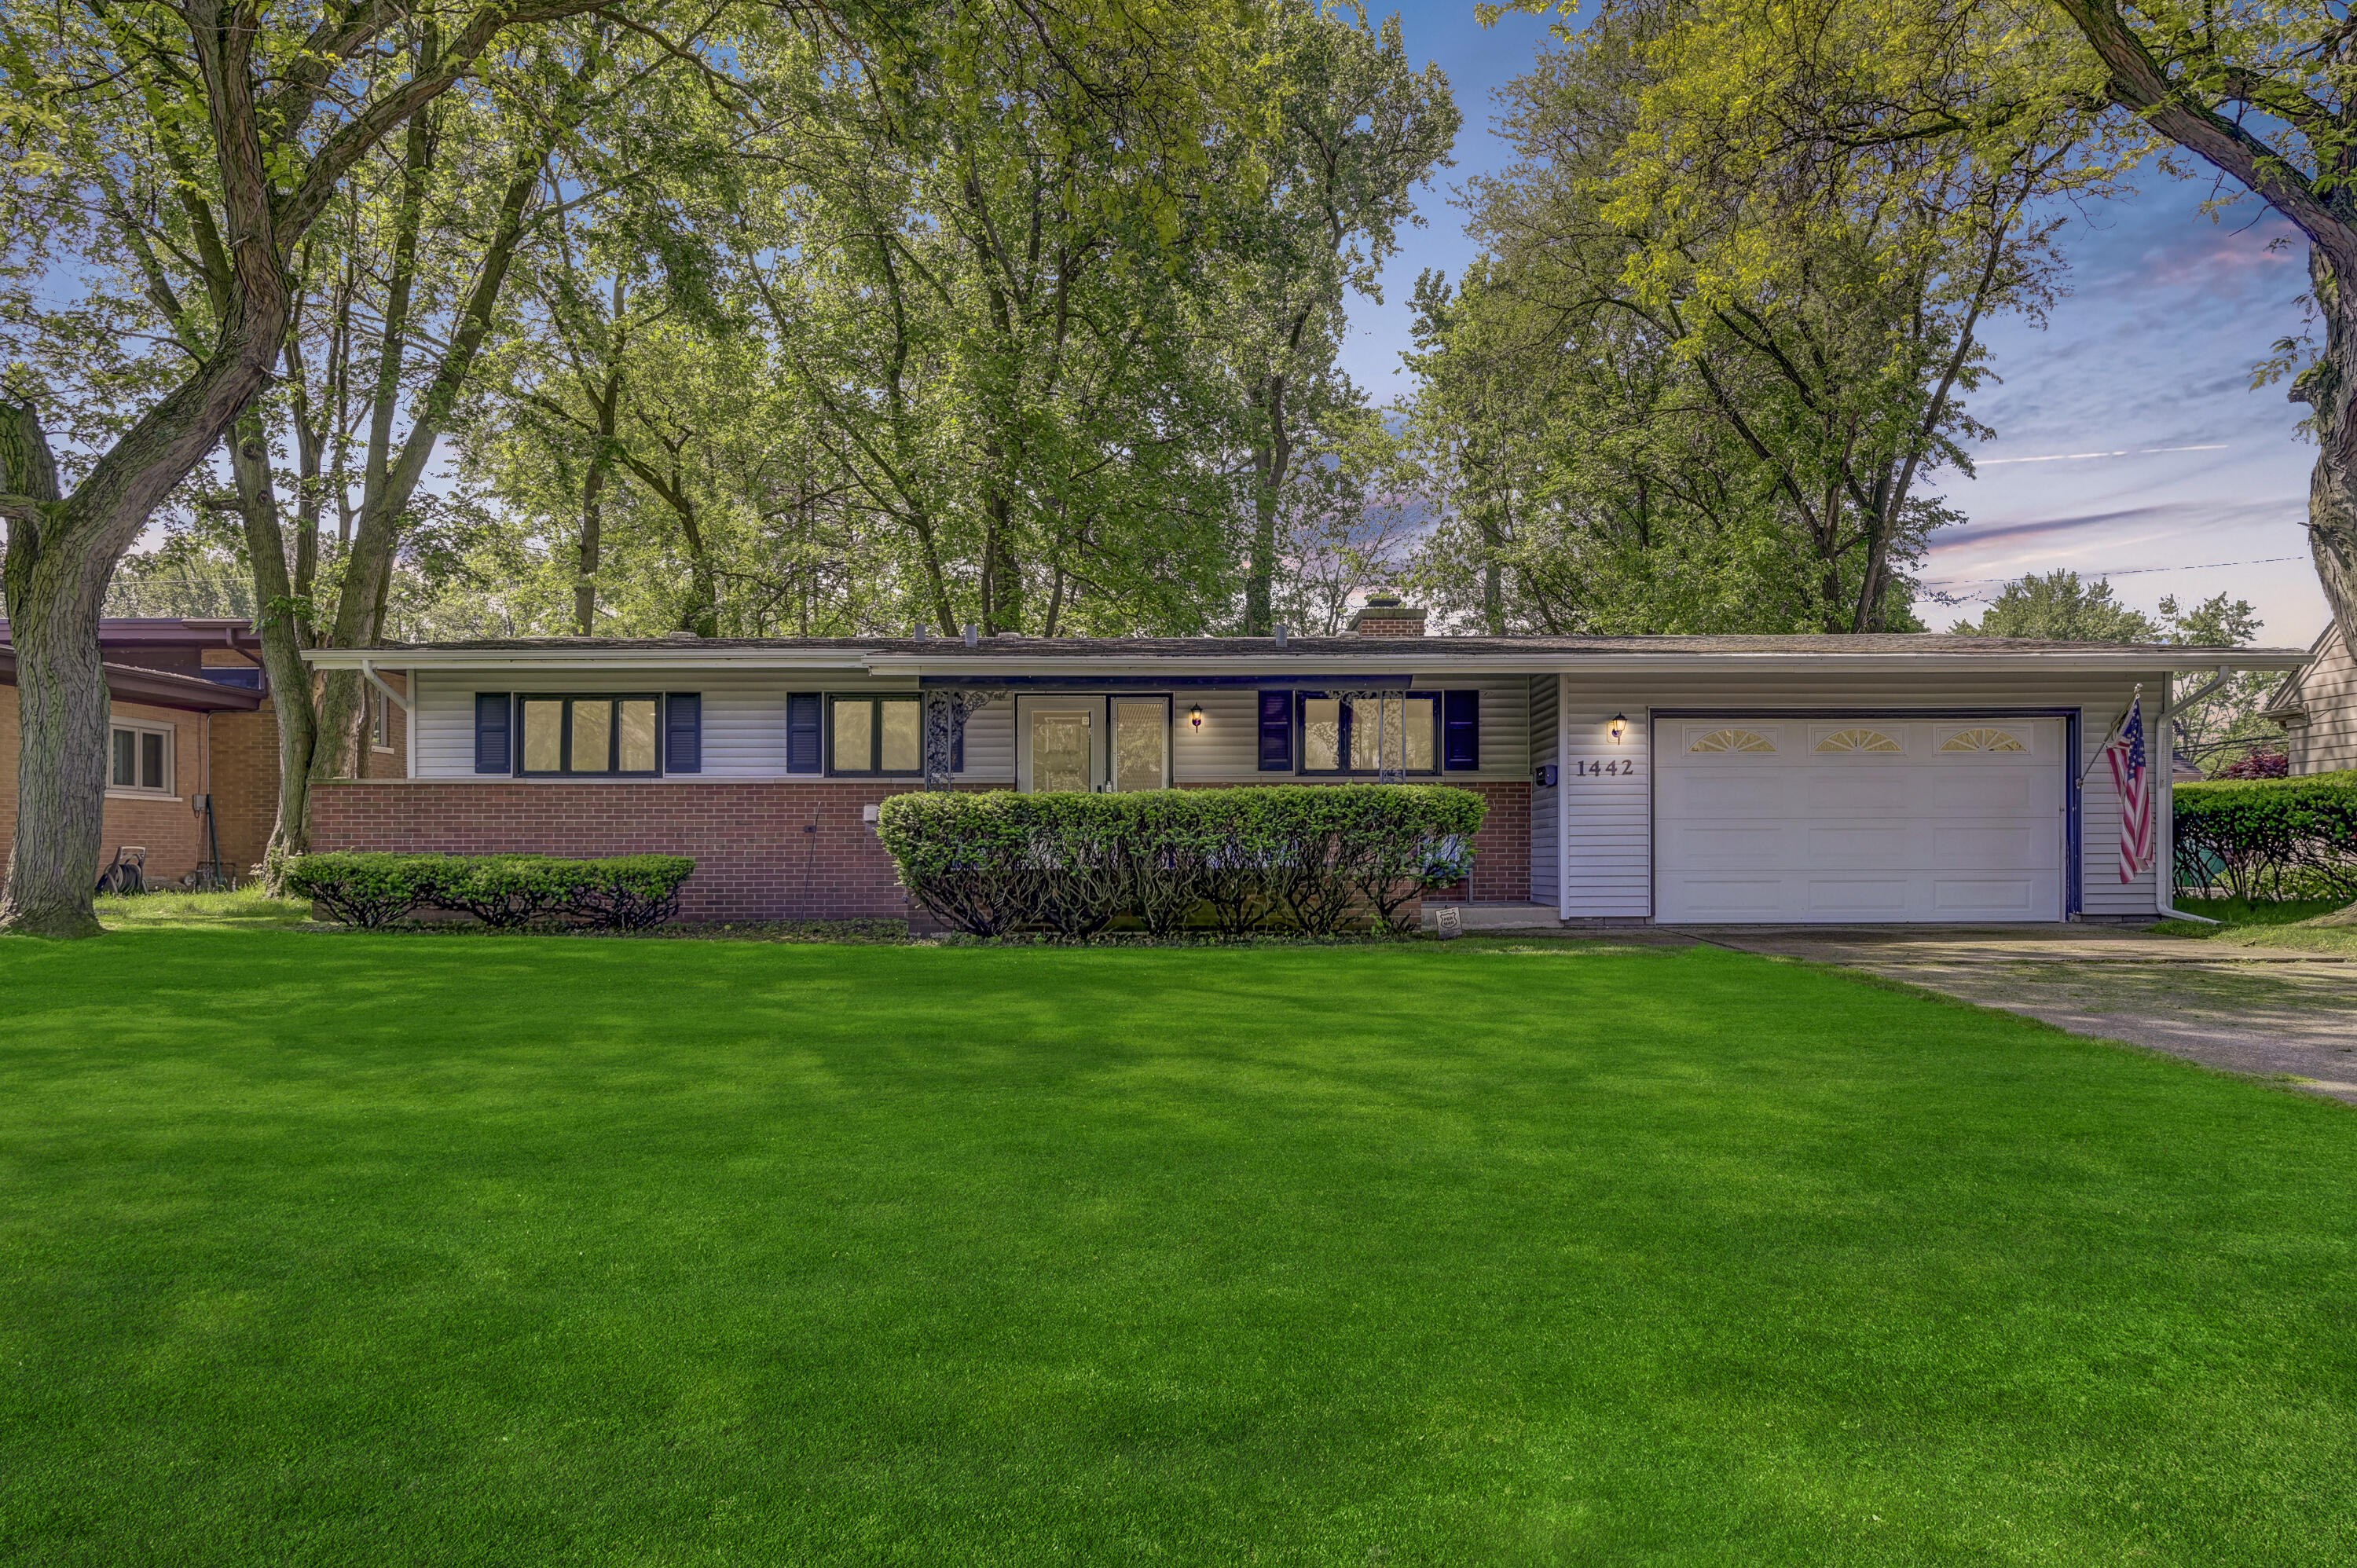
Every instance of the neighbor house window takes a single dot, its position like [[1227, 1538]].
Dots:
[[876, 734], [1365, 735], [140, 757], [381, 713], [611, 735]]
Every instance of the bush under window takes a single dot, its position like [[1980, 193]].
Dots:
[[1312, 858]]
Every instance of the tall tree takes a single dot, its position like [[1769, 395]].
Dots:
[[1358, 129], [1715, 223], [2261, 92], [261, 113]]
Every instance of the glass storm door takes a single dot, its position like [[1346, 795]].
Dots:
[[1141, 730], [1060, 749]]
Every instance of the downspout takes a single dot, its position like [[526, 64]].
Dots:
[[368, 669], [2164, 860], [1562, 802]]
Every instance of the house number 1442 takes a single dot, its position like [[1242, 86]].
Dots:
[[1585, 769]]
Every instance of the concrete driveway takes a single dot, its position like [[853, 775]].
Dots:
[[2290, 1017]]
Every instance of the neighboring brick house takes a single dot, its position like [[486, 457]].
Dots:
[[2318, 708], [1673, 778], [193, 726]]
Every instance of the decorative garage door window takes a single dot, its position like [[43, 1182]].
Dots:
[[1857, 740], [1731, 740], [1983, 740]]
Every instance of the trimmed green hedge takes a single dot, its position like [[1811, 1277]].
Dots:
[[2269, 838], [629, 892], [1314, 858]]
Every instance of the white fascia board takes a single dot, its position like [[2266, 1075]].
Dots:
[[1170, 671], [2006, 663], [850, 661], [1174, 671]]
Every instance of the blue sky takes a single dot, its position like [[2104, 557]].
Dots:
[[2128, 442]]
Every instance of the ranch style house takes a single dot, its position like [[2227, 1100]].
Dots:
[[1677, 779]]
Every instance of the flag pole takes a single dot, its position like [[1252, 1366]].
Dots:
[[2112, 734]]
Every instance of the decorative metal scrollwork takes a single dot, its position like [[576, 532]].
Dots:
[[946, 712]]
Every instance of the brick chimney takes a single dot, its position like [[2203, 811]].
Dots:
[[1384, 615]]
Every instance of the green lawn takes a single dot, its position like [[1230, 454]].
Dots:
[[365, 1249], [2266, 925]]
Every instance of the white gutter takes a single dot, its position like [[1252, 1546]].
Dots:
[[2164, 859], [1273, 667], [1176, 669], [688, 656]]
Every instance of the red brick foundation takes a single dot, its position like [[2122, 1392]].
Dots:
[[763, 852], [1501, 850]]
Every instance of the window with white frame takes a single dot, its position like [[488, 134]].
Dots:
[[139, 759], [380, 721]]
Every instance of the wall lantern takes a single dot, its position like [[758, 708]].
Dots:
[[1195, 716], [1620, 727]]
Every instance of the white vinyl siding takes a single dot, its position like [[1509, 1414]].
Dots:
[[1226, 750], [1609, 837], [1546, 804], [990, 746], [2326, 742]]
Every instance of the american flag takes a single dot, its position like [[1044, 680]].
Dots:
[[2125, 753]]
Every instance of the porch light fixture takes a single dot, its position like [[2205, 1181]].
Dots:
[[1620, 727], [1195, 716]]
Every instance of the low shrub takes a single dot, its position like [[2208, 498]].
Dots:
[[365, 889], [1310, 856], [2269, 838], [2258, 765], [629, 892]]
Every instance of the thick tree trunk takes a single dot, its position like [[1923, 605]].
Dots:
[[2330, 389], [282, 644], [593, 514], [61, 700], [1271, 460], [1260, 580], [1002, 570]]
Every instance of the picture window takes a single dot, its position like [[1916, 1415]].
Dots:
[[591, 736], [875, 736], [1400, 733]]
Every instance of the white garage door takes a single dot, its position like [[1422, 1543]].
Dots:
[[1856, 819]]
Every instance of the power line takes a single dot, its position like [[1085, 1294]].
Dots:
[[2125, 571]]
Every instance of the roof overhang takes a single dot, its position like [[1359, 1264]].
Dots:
[[1277, 668], [159, 688]]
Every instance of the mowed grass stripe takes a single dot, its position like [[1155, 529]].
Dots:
[[438, 1249]]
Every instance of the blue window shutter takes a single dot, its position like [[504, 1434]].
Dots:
[[1277, 732], [493, 753], [684, 733], [802, 754], [1461, 725]]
